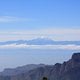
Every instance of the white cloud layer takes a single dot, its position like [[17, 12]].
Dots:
[[61, 47]]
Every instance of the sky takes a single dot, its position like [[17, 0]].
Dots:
[[58, 20], [28, 19]]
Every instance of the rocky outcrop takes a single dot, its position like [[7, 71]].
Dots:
[[69, 70]]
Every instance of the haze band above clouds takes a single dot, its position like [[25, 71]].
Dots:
[[54, 34]]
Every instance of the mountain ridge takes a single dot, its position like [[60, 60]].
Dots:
[[69, 70], [41, 41], [20, 69]]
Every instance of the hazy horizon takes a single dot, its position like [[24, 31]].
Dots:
[[11, 58]]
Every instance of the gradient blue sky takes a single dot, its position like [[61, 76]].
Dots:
[[35, 15], [40, 14]]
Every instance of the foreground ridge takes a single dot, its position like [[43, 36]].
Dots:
[[69, 70]]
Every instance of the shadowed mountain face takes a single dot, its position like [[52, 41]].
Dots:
[[18, 70], [69, 70]]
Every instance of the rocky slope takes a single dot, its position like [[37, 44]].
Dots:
[[69, 70], [21, 69]]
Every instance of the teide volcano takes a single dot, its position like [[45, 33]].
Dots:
[[69, 70]]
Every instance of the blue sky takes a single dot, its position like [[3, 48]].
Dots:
[[34, 15], [40, 14]]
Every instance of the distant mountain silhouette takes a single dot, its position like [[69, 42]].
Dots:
[[41, 41], [69, 70]]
